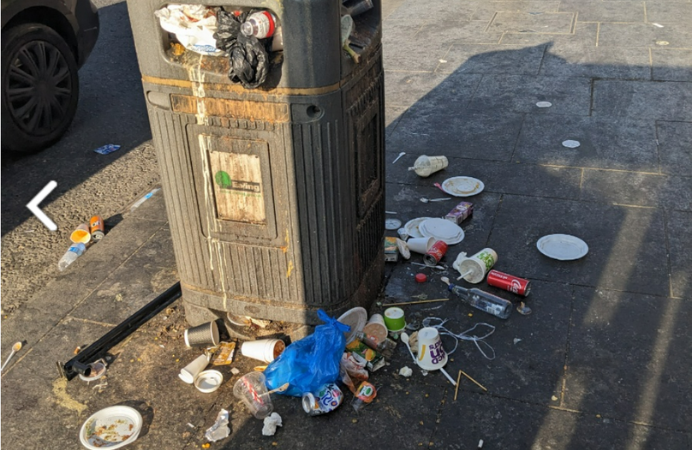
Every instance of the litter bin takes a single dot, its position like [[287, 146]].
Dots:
[[275, 195]]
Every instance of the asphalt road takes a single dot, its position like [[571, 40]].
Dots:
[[111, 111]]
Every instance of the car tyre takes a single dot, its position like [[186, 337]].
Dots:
[[40, 87]]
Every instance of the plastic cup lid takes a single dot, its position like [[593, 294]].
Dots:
[[208, 381]]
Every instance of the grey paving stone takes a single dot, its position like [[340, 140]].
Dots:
[[500, 177], [642, 99], [413, 55], [644, 35], [627, 188], [521, 92], [528, 22], [431, 11], [486, 10], [675, 147], [680, 241], [627, 356], [406, 88], [605, 143], [526, 426], [626, 245], [599, 11], [666, 13], [492, 59], [584, 36], [469, 135], [672, 65], [392, 114], [597, 62], [449, 31], [148, 273]]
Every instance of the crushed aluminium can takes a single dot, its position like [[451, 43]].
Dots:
[[327, 399], [435, 253], [519, 286], [96, 228]]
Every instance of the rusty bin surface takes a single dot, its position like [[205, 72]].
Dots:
[[275, 195]]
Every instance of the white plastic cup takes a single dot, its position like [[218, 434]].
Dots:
[[428, 165], [81, 234], [420, 245], [251, 389], [431, 354], [265, 350], [376, 328], [190, 372], [475, 268]]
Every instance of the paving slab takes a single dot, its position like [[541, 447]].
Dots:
[[628, 188], [492, 59], [644, 35], [499, 177], [675, 147], [450, 31], [478, 136], [407, 88], [641, 99], [520, 93], [669, 13], [533, 22], [672, 65], [627, 358], [627, 248], [486, 10], [679, 229], [597, 62], [414, 55], [584, 36], [605, 143], [599, 11], [392, 115]]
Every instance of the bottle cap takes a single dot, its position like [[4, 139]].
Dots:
[[421, 278]]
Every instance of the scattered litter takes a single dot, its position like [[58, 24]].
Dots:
[[657, 25], [223, 354], [96, 228], [440, 267], [391, 212], [462, 186], [208, 381], [516, 341], [71, 255], [327, 399], [271, 422], [459, 213], [97, 370], [554, 398], [570, 143], [398, 157], [235, 371], [392, 224], [191, 426], [474, 381], [107, 149], [443, 61], [662, 43], [81, 234], [405, 371], [412, 229], [464, 336], [365, 394], [426, 200], [421, 278], [193, 25], [427, 165], [523, 309], [482, 300], [102, 385], [15, 348], [251, 388], [139, 202], [346, 29], [442, 230], [456, 388], [220, 429], [473, 269], [265, 350], [511, 283], [115, 426], [432, 355], [562, 247], [480, 444], [544, 104]]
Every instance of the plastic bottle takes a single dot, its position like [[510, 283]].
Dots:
[[74, 252], [427, 165], [260, 24], [485, 301]]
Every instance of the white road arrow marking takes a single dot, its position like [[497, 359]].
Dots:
[[33, 205]]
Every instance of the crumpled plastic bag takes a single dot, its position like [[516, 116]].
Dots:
[[270, 423], [220, 429], [193, 25], [351, 367], [312, 362], [248, 55]]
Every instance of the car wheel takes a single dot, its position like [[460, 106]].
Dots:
[[40, 87]]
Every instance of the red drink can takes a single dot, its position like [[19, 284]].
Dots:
[[435, 253], [509, 282]]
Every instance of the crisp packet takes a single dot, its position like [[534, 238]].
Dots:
[[223, 354]]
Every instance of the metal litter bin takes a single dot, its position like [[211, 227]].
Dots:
[[275, 195]]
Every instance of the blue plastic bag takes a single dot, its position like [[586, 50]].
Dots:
[[312, 362]]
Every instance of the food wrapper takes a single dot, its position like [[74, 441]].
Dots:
[[223, 354], [461, 212], [391, 249], [374, 361]]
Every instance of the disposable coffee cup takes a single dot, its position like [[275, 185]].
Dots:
[[376, 328], [394, 319], [205, 335], [265, 350], [420, 245], [189, 373], [427, 165], [475, 268], [431, 354], [251, 389], [81, 234]]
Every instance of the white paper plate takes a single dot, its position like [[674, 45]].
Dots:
[[354, 318], [392, 224], [562, 247], [412, 227], [463, 186], [111, 428], [442, 230]]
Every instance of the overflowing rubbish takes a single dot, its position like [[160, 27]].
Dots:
[[374, 360], [71, 255], [570, 143], [107, 149], [357, 7], [15, 348], [484, 301], [475, 268], [193, 26], [261, 25], [428, 165], [406, 340], [220, 429], [347, 27], [205, 335], [112, 427], [511, 283], [271, 423], [375, 331], [356, 319], [325, 399], [562, 247], [462, 186], [266, 350]]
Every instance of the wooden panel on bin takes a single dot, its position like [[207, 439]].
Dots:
[[238, 187], [220, 107]]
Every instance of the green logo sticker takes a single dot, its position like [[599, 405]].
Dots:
[[224, 181]]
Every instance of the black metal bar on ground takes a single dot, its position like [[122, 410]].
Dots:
[[80, 363]]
